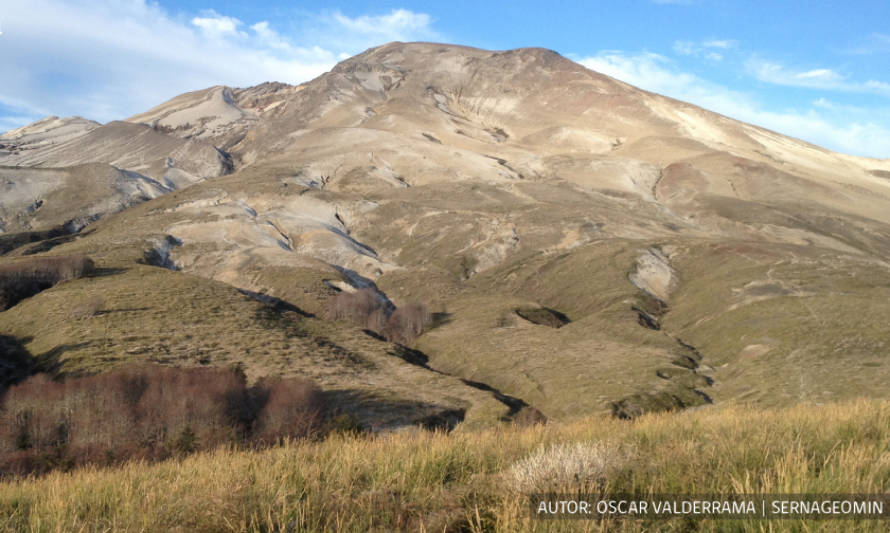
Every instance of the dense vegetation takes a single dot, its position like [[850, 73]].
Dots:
[[147, 412]]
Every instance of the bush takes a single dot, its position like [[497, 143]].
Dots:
[[529, 416], [581, 464], [365, 309], [355, 306], [406, 323], [147, 412], [292, 408]]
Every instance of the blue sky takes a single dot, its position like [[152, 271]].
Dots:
[[816, 70]]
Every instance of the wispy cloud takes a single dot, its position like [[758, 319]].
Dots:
[[109, 59], [710, 49], [817, 78], [725, 44], [846, 129], [876, 43]]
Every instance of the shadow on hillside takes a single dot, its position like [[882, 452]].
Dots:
[[13, 241], [439, 319], [275, 305], [410, 355], [51, 360], [15, 361], [513, 403], [121, 310], [373, 413], [543, 316], [35, 242], [103, 272]]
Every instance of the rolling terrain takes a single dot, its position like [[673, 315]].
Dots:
[[584, 246]]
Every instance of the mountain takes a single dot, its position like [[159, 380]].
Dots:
[[584, 245]]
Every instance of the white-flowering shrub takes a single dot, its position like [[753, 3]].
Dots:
[[576, 465]]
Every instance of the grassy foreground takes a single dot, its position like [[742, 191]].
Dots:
[[473, 480]]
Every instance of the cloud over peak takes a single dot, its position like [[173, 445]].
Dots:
[[846, 128], [109, 59]]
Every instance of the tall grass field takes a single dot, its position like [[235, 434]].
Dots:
[[416, 480]]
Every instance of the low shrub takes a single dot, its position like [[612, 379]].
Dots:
[[581, 464]]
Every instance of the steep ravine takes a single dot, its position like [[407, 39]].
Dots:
[[655, 278]]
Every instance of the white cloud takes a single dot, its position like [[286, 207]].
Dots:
[[724, 44], [646, 70], [846, 129], [778, 74], [216, 25], [821, 74], [819, 78], [878, 86], [398, 25], [109, 59], [704, 49], [685, 48]]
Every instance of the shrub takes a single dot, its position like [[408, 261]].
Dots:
[[406, 323], [147, 412], [293, 408], [577, 465], [365, 309], [355, 306], [529, 416]]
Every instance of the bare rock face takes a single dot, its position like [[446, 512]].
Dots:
[[483, 182], [68, 198], [137, 148], [654, 274], [45, 132]]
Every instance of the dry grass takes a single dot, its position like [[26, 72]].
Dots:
[[87, 308], [420, 481], [155, 315]]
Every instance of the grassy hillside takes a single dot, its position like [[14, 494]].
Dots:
[[474, 480], [131, 313]]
